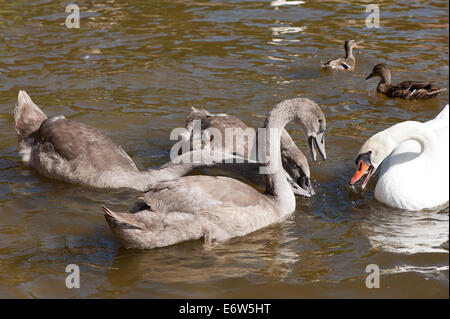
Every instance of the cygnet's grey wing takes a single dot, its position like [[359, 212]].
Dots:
[[220, 123], [193, 193], [77, 142]]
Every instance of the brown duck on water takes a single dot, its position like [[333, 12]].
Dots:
[[409, 90], [343, 64]]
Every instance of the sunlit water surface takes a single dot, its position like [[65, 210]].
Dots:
[[134, 68]]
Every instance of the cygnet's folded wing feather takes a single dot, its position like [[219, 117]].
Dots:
[[194, 193], [73, 140]]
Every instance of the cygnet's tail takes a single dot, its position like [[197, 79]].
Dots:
[[28, 117]]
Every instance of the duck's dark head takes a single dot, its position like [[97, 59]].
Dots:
[[381, 70]]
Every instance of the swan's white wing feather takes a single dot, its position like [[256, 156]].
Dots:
[[414, 184]]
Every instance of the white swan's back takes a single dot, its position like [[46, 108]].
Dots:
[[411, 182], [443, 115]]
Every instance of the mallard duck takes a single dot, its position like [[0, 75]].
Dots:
[[409, 90], [343, 64]]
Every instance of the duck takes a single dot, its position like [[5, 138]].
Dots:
[[294, 161], [343, 64], [215, 208], [409, 90], [73, 152], [414, 159]]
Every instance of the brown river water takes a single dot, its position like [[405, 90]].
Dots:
[[134, 68]]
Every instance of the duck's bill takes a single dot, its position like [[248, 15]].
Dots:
[[318, 142], [362, 170], [369, 76]]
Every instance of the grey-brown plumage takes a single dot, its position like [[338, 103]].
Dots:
[[409, 90], [73, 152], [215, 208], [294, 161], [28, 117], [67, 150], [343, 64], [76, 141], [221, 122]]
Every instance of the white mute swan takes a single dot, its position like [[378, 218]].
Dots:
[[294, 161], [215, 208], [73, 152], [414, 174]]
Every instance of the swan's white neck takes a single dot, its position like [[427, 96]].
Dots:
[[409, 130]]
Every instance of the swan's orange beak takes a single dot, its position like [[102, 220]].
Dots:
[[360, 171]]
